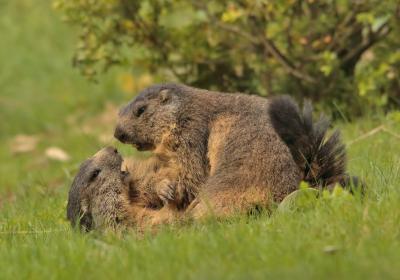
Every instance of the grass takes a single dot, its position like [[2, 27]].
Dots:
[[41, 95]]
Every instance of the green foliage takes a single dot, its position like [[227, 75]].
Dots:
[[342, 52], [306, 198], [300, 200]]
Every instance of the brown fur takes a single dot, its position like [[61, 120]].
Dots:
[[103, 196], [214, 153], [220, 146], [220, 129]]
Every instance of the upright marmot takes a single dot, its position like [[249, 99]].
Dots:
[[233, 151]]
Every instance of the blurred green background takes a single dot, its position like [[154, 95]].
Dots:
[[52, 118], [44, 98]]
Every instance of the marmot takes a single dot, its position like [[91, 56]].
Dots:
[[102, 195], [233, 151]]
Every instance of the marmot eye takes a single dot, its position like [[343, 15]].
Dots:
[[94, 174], [140, 111]]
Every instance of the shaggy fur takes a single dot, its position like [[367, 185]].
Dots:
[[94, 197], [322, 159], [224, 148], [214, 153], [103, 196]]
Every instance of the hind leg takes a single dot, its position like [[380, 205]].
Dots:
[[223, 200]]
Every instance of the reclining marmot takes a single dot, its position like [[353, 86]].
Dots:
[[102, 195]]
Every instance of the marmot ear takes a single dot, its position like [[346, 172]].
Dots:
[[165, 96]]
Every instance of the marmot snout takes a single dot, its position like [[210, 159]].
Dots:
[[94, 198]]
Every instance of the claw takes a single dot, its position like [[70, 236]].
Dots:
[[166, 190]]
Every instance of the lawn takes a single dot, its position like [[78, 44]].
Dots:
[[47, 104]]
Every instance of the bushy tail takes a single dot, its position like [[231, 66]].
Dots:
[[322, 158]]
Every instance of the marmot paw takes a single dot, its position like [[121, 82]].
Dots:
[[166, 190]]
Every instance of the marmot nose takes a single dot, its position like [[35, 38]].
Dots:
[[120, 135]]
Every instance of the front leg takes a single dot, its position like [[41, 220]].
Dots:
[[166, 186], [174, 194], [166, 191]]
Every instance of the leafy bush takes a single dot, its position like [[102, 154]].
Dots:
[[344, 54]]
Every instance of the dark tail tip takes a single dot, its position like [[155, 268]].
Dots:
[[322, 159], [289, 124], [353, 184]]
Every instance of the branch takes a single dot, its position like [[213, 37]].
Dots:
[[373, 132], [266, 43], [373, 38], [270, 48], [290, 68], [366, 135], [342, 31]]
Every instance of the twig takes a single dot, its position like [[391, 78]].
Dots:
[[391, 133], [366, 135], [284, 61], [372, 132]]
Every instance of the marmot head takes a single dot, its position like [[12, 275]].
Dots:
[[95, 198], [145, 120]]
